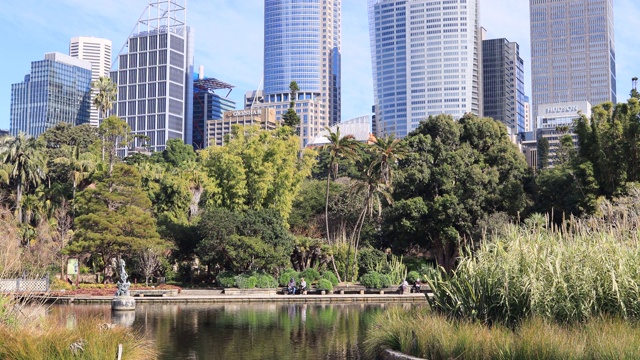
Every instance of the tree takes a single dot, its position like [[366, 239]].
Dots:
[[454, 175], [543, 153], [149, 262], [25, 164], [178, 153], [106, 92], [81, 165], [114, 217], [115, 133], [291, 118]]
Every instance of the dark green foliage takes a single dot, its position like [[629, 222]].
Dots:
[[285, 276], [454, 175], [246, 281], [412, 276], [310, 274], [178, 153], [291, 118], [543, 153], [324, 284], [226, 279], [328, 275], [375, 280], [368, 258]]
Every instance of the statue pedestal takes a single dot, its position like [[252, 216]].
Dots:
[[123, 303]]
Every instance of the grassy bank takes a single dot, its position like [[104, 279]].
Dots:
[[26, 333], [427, 335]]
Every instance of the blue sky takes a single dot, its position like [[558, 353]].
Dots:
[[228, 36]]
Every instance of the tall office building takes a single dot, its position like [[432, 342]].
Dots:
[[573, 54], [302, 44], [425, 56], [155, 77], [208, 105], [56, 90], [503, 83], [98, 52]]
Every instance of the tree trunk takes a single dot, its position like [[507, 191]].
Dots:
[[326, 207], [19, 201]]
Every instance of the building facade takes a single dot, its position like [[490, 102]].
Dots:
[[208, 105], [98, 52], [218, 129], [555, 121], [426, 61], [56, 90], [302, 43], [155, 77], [503, 83], [527, 114], [573, 54]]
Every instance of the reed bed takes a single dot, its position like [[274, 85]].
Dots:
[[585, 269], [432, 336]]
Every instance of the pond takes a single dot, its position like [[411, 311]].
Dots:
[[245, 331]]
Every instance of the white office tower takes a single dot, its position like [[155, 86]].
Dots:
[[155, 77], [426, 61], [573, 54], [98, 52]]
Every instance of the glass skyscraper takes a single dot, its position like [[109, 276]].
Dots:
[[503, 83], [208, 105], [155, 77], [302, 44], [573, 54], [425, 60], [58, 89]]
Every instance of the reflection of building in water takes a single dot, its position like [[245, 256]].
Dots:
[[218, 129]]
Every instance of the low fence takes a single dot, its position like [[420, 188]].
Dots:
[[24, 285]]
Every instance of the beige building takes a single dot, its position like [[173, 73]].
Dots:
[[98, 52], [218, 129]]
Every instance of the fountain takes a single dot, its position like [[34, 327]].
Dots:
[[123, 301]]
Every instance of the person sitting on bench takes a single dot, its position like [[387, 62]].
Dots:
[[291, 287], [303, 285]]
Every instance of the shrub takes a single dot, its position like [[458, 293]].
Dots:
[[369, 259], [284, 278], [266, 281], [412, 276], [245, 281], [324, 284], [310, 274], [57, 284], [226, 279], [375, 280], [331, 277]]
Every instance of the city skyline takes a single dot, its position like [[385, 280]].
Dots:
[[229, 40]]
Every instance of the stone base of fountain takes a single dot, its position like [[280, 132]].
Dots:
[[123, 303]]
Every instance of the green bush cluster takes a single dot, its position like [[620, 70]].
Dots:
[[246, 281], [324, 284], [226, 279], [375, 280], [328, 275], [266, 281], [310, 275], [286, 275]]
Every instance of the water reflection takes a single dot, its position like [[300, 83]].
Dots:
[[246, 331]]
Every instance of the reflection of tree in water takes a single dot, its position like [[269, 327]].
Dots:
[[255, 331]]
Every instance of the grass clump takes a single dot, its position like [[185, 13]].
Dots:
[[432, 336]]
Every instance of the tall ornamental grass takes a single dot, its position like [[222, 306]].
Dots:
[[586, 269], [430, 336]]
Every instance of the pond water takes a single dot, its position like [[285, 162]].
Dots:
[[245, 331]]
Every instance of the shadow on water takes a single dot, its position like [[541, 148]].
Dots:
[[246, 331]]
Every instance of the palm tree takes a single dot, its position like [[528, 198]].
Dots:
[[25, 163], [105, 94], [106, 91], [387, 151], [338, 147]]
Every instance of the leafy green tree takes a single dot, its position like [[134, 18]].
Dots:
[[25, 164], [291, 118], [543, 153], [454, 175], [178, 153], [115, 133], [257, 169], [114, 218]]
